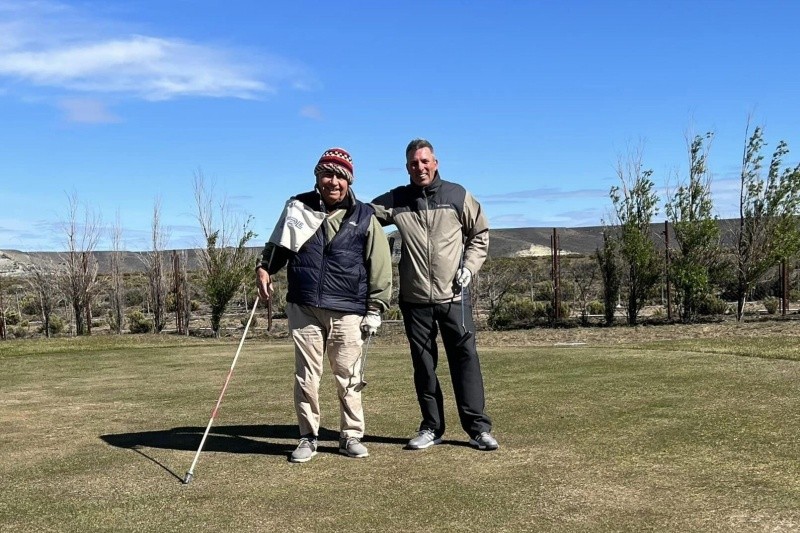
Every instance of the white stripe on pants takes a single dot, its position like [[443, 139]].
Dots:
[[317, 332]]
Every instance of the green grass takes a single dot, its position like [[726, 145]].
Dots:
[[670, 436]]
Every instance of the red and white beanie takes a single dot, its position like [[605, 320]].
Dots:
[[338, 161]]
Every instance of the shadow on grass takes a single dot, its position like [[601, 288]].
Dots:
[[252, 439]]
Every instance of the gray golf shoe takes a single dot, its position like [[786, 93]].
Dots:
[[305, 450], [352, 447], [424, 439], [484, 441]]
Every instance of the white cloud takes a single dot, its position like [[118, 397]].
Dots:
[[87, 111], [50, 45], [312, 112]]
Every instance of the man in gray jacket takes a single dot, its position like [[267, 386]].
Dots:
[[445, 241]]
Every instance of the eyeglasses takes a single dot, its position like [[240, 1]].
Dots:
[[330, 176]]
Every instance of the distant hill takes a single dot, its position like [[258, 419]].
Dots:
[[507, 242]]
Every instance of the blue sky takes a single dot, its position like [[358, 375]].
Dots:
[[529, 104]]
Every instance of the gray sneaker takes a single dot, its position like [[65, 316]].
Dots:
[[305, 450], [424, 439], [484, 441], [352, 447]]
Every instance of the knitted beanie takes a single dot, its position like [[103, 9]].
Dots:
[[338, 161]]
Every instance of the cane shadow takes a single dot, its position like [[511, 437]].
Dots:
[[247, 439], [227, 439]]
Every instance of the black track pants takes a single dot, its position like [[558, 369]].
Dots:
[[422, 324]]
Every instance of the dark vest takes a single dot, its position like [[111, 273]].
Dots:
[[331, 274]]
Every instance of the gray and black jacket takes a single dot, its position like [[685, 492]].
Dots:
[[437, 224]]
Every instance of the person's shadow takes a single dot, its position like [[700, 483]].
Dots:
[[254, 439]]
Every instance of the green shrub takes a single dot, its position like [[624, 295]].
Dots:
[[771, 303], [515, 312], [134, 296], [138, 323], [712, 305], [595, 307], [12, 318], [393, 313], [565, 311], [56, 325], [31, 306]]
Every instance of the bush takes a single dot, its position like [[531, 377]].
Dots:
[[771, 303], [393, 313], [712, 305], [138, 323], [134, 296], [565, 311], [253, 323], [12, 318], [31, 306], [56, 325], [596, 307], [515, 313], [20, 332]]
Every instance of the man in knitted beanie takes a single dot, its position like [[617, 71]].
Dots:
[[338, 161], [334, 298]]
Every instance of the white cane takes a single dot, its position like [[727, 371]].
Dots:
[[190, 472]]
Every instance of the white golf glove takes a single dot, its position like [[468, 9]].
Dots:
[[463, 277], [370, 323]]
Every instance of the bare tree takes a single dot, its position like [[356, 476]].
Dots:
[[226, 259], [117, 294], [43, 280], [180, 280], [768, 209], [584, 273], [154, 263], [79, 283], [2, 311]]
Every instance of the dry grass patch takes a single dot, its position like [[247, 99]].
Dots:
[[607, 436]]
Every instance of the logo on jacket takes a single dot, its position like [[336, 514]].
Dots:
[[293, 222]]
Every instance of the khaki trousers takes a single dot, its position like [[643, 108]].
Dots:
[[317, 332]]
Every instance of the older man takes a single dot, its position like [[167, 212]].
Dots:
[[339, 281]]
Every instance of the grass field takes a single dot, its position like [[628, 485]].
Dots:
[[690, 435]]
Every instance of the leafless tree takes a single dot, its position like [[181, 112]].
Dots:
[[79, 283], [180, 280], [43, 280], [584, 274], [154, 263], [2, 311], [117, 294]]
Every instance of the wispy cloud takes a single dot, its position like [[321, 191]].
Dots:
[[543, 194], [86, 111], [311, 111], [51, 45]]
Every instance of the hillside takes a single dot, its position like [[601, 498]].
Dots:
[[507, 242]]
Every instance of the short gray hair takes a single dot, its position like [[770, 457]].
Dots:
[[418, 144]]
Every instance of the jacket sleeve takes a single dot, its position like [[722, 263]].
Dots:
[[378, 261], [476, 234], [384, 212], [273, 258]]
